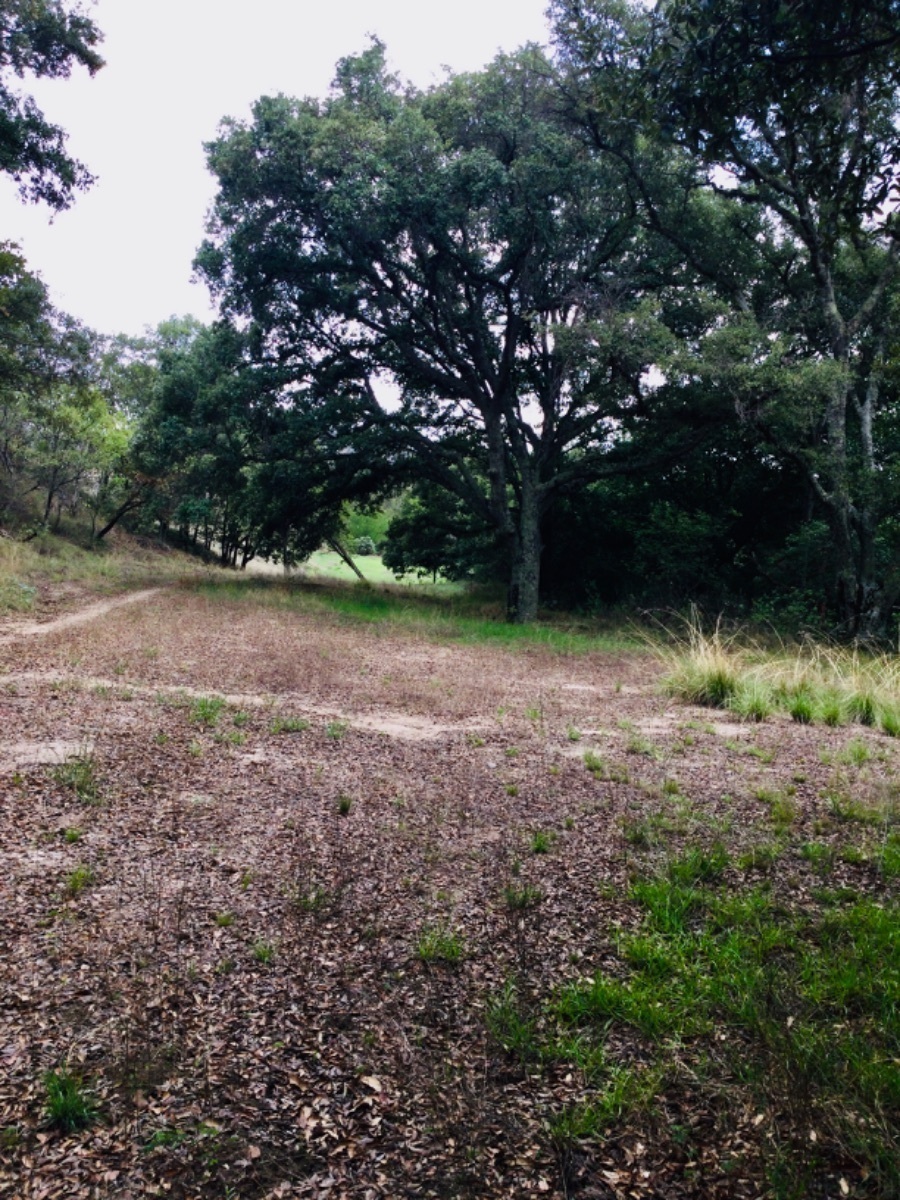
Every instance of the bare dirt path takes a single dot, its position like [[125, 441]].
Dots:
[[233, 824], [81, 616]]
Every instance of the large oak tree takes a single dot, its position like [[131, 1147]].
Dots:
[[461, 268]]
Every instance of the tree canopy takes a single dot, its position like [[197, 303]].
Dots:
[[789, 114], [462, 250], [41, 39]]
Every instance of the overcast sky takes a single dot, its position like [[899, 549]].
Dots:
[[120, 259]]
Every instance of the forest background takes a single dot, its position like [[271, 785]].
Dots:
[[614, 324]]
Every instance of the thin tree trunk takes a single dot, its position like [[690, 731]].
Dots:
[[345, 555]]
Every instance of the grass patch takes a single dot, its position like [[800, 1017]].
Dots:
[[811, 683], [68, 1104], [443, 615], [542, 841], [289, 725], [206, 710], [520, 899], [439, 944], [792, 1011], [80, 775], [78, 881]]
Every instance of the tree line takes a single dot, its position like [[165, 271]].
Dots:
[[617, 321]]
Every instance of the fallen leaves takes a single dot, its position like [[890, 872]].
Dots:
[[341, 1065]]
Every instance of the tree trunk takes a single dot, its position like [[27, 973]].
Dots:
[[339, 549], [522, 600]]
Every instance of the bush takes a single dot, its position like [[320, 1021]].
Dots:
[[364, 546]]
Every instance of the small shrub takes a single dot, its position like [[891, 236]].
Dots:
[[345, 803], [336, 730], [224, 919], [72, 835]]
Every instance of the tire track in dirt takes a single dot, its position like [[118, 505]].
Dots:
[[80, 617], [404, 726]]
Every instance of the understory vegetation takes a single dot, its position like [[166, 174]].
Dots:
[[812, 682]]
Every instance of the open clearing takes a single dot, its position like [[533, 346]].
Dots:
[[277, 884]]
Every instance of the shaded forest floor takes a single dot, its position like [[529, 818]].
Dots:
[[292, 902]]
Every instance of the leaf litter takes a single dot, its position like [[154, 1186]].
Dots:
[[237, 985]]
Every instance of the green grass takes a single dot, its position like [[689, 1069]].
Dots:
[[49, 559], [68, 1104], [794, 1011], [263, 953], [80, 775], [812, 683], [443, 616], [206, 710], [289, 725], [439, 944], [78, 881], [542, 841], [520, 899]]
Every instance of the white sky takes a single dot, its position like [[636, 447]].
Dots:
[[120, 258]]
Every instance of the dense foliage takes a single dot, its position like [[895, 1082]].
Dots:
[[616, 325]]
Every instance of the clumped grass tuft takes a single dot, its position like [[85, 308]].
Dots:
[[79, 774], [206, 710], [703, 670], [263, 953], [68, 1104], [439, 944], [752, 699], [602, 770], [78, 881], [289, 725], [512, 1026], [542, 841], [811, 683], [518, 899]]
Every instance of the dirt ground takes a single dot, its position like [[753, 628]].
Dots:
[[228, 830]]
